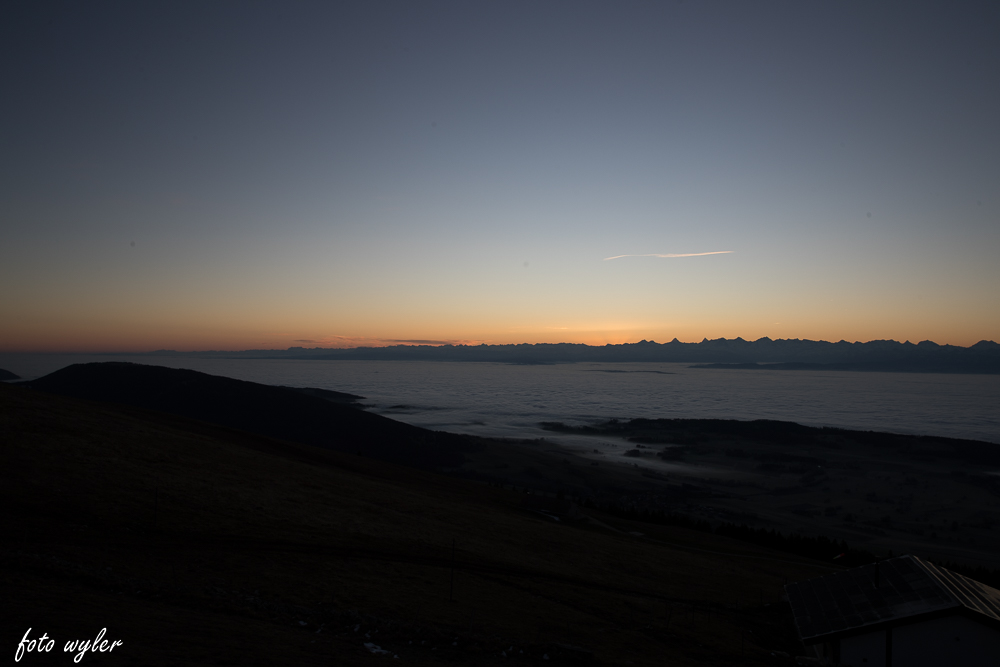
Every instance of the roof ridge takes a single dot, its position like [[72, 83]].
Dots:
[[886, 591], [971, 594]]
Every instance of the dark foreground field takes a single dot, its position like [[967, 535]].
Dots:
[[877, 492], [198, 544], [868, 493]]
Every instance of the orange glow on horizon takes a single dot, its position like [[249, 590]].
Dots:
[[139, 341]]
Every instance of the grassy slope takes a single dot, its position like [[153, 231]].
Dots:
[[254, 536]]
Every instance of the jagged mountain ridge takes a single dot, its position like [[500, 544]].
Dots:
[[879, 355]]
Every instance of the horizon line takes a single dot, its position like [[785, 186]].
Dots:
[[436, 344]]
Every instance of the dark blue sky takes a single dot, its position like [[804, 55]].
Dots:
[[345, 173]]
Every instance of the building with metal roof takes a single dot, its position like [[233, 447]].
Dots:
[[900, 612]]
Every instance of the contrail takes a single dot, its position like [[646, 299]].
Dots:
[[690, 254]]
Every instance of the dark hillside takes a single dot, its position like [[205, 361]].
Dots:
[[201, 545], [311, 417]]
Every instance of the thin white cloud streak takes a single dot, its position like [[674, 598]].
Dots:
[[342, 342], [690, 254]]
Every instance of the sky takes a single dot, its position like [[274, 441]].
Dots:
[[194, 176]]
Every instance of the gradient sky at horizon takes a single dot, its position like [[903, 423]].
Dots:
[[261, 175]]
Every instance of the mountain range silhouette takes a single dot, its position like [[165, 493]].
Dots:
[[782, 354]]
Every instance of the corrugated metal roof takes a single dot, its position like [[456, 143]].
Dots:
[[893, 589]]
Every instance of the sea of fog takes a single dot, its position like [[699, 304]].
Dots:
[[510, 400]]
